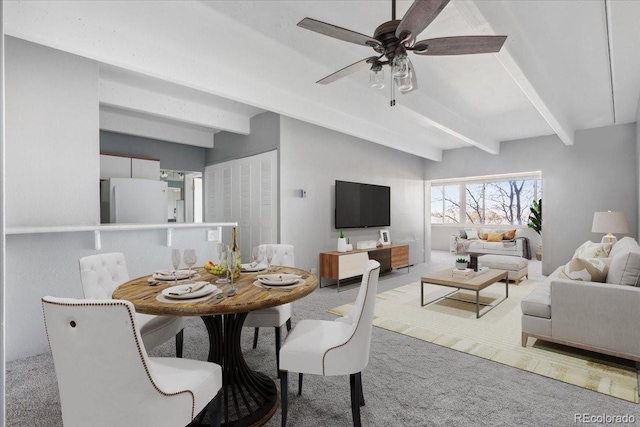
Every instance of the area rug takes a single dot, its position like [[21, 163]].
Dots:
[[497, 336]]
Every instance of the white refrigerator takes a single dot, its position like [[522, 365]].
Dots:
[[131, 200]]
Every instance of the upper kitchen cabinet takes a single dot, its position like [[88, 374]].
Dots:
[[112, 166]]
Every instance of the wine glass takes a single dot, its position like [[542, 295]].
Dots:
[[190, 259], [232, 258], [254, 256], [175, 260], [269, 256]]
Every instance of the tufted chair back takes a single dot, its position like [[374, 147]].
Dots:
[[282, 255], [104, 375], [100, 274]]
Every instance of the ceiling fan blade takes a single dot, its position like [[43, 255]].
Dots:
[[350, 69], [418, 17], [338, 32], [460, 45]]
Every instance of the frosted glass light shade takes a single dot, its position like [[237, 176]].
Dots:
[[376, 78]]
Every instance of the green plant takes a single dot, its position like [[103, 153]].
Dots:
[[461, 260], [341, 234], [535, 217]]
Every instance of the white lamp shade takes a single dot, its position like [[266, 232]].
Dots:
[[610, 222]]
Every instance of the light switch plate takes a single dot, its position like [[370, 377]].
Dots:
[[212, 236]]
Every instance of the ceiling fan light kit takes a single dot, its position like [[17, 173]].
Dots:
[[392, 40]]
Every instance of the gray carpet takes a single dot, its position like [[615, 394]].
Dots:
[[408, 382]]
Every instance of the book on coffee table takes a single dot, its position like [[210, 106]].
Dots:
[[467, 272]]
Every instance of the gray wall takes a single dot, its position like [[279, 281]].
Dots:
[[312, 158], [264, 136], [172, 156], [598, 173]]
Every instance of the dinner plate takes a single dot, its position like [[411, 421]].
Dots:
[[169, 275], [247, 268], [178, 288], [279, 279]]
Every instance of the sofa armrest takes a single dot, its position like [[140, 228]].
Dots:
[[600, 315]]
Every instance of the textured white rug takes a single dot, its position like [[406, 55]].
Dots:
[[496, 336]]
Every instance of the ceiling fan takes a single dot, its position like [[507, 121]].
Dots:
[[393, 39]]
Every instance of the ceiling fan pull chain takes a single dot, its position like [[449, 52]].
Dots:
[[393, 93]]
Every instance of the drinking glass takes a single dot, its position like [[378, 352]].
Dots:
[[190, 259], [231, 268], [175, 260], [269, 256], [222, 257]]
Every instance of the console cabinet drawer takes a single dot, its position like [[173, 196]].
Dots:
[[399, 256]]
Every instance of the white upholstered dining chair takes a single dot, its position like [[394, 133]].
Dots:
[[275, 316], [328, 348], [100, 274], [105, 377]]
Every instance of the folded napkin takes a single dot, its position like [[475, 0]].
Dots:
[[254, 266], [188, 289], [170, 275]]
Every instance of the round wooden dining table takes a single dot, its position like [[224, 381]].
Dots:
[[249, 397]]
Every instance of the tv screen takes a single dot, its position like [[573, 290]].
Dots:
[[362, 205]]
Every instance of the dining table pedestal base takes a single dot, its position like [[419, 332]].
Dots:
[[250, 398]]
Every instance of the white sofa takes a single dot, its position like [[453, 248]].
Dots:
[[601, 317], [512, 247]]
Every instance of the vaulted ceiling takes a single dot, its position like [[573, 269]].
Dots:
[[206, 66]]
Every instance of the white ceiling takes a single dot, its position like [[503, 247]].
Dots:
[[566, 66]]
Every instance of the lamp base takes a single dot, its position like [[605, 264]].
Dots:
[[609, 238]]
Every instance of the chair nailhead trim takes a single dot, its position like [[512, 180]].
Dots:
[[146, 368]]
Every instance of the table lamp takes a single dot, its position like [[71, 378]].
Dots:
[[609, 222]]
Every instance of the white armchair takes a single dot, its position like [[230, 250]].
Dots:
[[275, 316], [100, 274], [105, 377], [323, 347]]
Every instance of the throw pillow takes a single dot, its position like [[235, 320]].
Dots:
[[463, 234], [509, 235], [485, 236], [580, 248], [495, 237], [586, 269], [472, 234], [625, 269], [595, 250]]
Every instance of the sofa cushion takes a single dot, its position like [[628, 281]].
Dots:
[[472, 234], [623, 246], [586, 269], [538, 302], [625, 269]]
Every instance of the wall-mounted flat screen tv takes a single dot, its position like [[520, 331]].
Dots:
[[362, 205]]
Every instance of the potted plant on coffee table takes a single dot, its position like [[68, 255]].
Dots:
[[461, 263]]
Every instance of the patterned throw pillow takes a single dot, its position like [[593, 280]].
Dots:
[[509, 235], [595, 250], [586, 269], [463, 234]]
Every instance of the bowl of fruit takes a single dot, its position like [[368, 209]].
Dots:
[[220, 269]]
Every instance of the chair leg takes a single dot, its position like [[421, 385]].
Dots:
[[215, 409], [354, 380], [284, 384], [255, 337], [361, 392], [288, 324], [179, 341], [300, 384], [278, 338]]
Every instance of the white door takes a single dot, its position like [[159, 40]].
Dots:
[[245, 191]]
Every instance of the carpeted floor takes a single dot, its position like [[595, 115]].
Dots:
[[496, 335], [408, 382]]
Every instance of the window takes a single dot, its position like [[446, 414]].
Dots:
[[495, 200], [445, 204]]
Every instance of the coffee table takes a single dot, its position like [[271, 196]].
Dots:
[[474, 283]]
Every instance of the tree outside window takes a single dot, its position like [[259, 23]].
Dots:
[[445, 204]]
